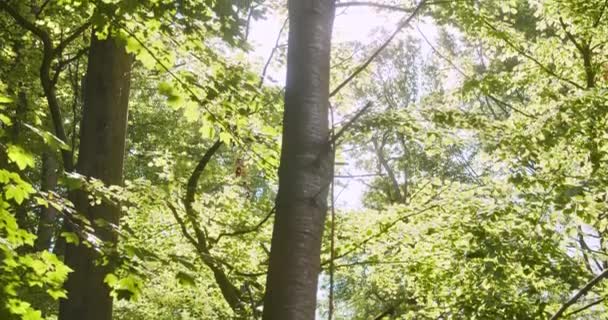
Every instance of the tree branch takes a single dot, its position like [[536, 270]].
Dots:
[[229, 291], [63, 63], [191, 192], [527, 55], [579, 294], [63, 44], [599, 16], [247, 230], [274, 49], [581, 309], [45, 78], [371, 4], [334, 139], [405, 22]]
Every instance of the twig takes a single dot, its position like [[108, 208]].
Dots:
[[248, 230], [581, 309], [371, 4], [274, 49], [527, 55], [599, 16], [579, 294], [335, 137], [449, 61], [405, 22]]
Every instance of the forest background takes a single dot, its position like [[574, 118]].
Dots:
[[461, 159]]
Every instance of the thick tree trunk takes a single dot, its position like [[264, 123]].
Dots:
[[101, 154], [48, 215], [304, 170]]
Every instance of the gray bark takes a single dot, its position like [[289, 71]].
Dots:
[[305, 165]]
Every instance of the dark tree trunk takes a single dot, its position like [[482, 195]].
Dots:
[[101, 154], [48, 215], [291, 286], [18, 138]]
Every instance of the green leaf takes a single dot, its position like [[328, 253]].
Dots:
[[16, 193], [49, 138], [225, 137], [110, 280], [56, 294], [22, 158], [71, 237], [5, 99]]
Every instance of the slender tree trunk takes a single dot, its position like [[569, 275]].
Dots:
[[18, 138], [48, 215], [101, 154], [305, 165]]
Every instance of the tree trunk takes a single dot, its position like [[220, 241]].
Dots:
[[48, 215], [291, 287], [101, 154], [19, 139]]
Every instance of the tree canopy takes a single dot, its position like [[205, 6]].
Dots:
[[158, 162]]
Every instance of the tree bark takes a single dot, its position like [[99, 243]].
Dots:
[[101, 155], [18, 138], [291, 286], [48, 215]]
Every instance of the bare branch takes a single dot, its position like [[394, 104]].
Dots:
[[371, 4], [63, 63], [599, 16], [529, 56], [63, 44], [274, 49], [581, 309], [334, 139], [247, 230], [191, 192], [404, 23], [499, 102], [579, 294]]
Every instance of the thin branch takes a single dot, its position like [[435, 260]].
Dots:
[[581, 309], [385, 228], [529, 56], [63, 44], [405, 22], [579, 294], [569, 35], [449, 61], [599, 16], [387, 6], [63, 63], [229, 291], [41, 9], [45, 78], [373, 5], [274, 49], [378, 147], [334, 139], [182, 224], [355, 176], [247, 230]]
